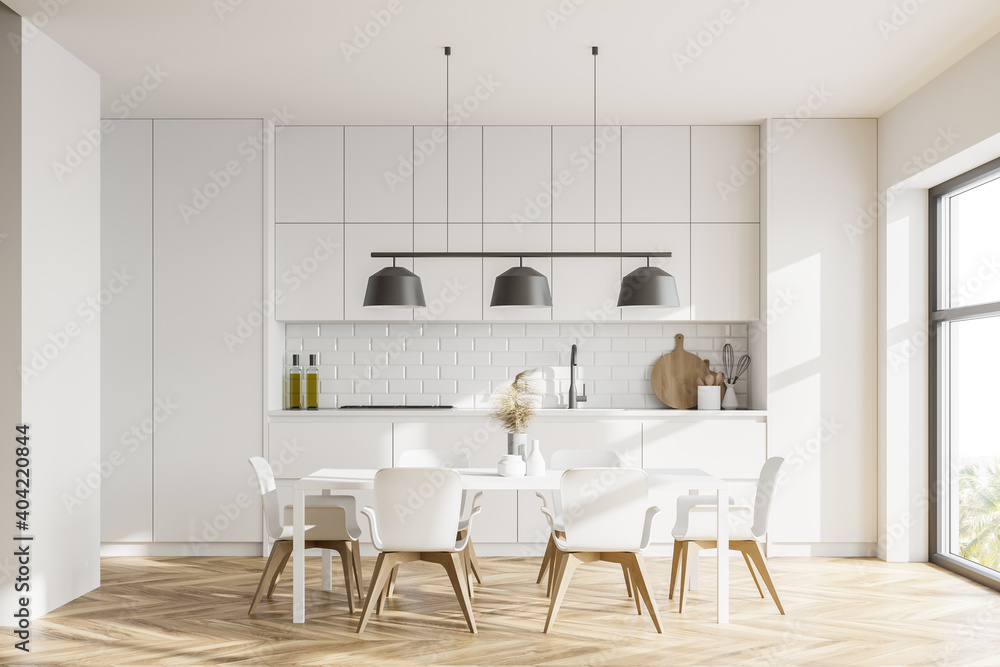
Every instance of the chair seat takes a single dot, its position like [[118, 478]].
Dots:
[[325, 522], [698, 522]]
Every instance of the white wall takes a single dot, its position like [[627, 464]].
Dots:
[[947, 127], [821, 352], [60, 337]]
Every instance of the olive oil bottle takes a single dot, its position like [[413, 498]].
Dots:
[[312, 384], [295, 384]]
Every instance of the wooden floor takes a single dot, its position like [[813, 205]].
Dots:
[[193, 611]]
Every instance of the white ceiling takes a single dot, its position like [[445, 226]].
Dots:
[[244, 58]]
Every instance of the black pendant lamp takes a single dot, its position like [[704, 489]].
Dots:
[[394, 286], [522, 287], [649, 286]]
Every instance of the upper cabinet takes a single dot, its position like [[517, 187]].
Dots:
[[572, 174], [517, 169], [464, 146], [725, 278], [378, 183], [430, 174], [725, 173], [656, 174], [309, 174]]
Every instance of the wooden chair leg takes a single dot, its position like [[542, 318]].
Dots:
[[391, 587], [557, 559], [546, 559], [753, 574], [277, 574], [628, 582], [568, 562], [452, 563], [639, 581], [757, 556], [383, 567], [356, 556], [473, 563], [466, 571], [347, 562], [674, 566], [685, 555], [277, 558]]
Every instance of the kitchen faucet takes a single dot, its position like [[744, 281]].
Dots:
[[573, 398]]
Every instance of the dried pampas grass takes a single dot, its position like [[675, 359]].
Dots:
[[514, 406]]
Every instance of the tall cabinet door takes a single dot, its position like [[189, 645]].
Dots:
[[207, 350], [128, 411]]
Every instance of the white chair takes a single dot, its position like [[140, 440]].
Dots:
[[416, 518], [565, 459], [608, 520], [697, 526], [433, 458], [331, 523]]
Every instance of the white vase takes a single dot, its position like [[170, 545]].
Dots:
[[535, 461], [729, 401], [517, 443], [511, 465]]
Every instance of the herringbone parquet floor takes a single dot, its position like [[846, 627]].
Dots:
[[193, 611]]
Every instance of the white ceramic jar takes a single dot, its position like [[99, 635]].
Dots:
[[511, 465]]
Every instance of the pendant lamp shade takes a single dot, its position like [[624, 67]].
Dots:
[[394, 286], [523, 287], [649, 286]]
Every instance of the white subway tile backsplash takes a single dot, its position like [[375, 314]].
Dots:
[[474, 358], [462, 364], [525, 345], [457, 344], [301, 330]]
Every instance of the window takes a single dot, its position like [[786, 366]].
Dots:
[[965, 373]]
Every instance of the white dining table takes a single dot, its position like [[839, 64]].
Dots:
[[326, 480]]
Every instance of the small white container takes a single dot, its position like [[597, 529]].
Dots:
[[710, 398], [730, 402], [511, 465], [535, 461]]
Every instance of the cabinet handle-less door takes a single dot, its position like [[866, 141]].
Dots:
[[207, 295]]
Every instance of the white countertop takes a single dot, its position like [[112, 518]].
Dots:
[[544, 414]]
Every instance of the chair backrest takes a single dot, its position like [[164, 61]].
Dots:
[[564, 459], [604, 509], [766, 485], [269, 496], [417, 509], [433, 458]]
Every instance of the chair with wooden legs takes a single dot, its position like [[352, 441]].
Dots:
[[608, 521], [696, 528], [435, 458], [416, 517], [564, 459], [331, 523]]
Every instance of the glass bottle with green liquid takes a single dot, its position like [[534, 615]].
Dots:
[[312, 384], [295, 384]]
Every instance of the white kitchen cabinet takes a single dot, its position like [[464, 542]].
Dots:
[[609, 175], [725, 272], [309, 272], [498, 521], [309, 174], [452, 286], [207, 277], [732, 449], [128, 409], [586, 289], [624, 437], [359, 242], [674, 238], [378, 184], [517, 169], [725, 173], [464, 147], [572, 174], [514, 238], [296, 449], [656, 174], [430, 175]]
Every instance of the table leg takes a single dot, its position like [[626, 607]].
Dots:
[[327, 561], [693, 565], [722, 552], [299, 556]]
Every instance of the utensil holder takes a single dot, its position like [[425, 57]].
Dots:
[[729, 401], [710, 398]]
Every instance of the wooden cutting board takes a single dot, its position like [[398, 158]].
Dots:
[[675, 377]]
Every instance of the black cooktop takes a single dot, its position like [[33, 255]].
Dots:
[[395, 407]]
